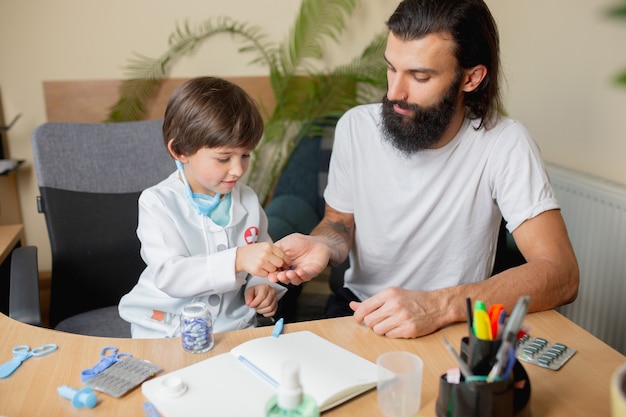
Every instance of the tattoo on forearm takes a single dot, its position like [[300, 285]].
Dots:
[[340, 239], [340, 228]]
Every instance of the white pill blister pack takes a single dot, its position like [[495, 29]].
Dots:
[[123, 376]]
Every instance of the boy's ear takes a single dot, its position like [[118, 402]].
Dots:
[[175, 155]]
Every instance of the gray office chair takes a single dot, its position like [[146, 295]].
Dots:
[[90, 177]]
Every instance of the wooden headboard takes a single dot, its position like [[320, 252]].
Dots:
[[90, 101]]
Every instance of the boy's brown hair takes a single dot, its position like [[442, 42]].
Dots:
[[211, 112]]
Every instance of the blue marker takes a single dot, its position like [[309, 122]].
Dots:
[[150, 410], [278, 327]]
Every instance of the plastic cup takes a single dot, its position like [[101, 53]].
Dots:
[[399, 385], [618, 392]]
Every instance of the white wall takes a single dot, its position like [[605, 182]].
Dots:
[[558, 58]]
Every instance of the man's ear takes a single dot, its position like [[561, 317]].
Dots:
[[473, 77], [173, 153]]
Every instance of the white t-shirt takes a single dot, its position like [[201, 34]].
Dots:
[[430, 220], [191, 258]]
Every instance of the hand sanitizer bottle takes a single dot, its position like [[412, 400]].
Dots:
[[290, 401]]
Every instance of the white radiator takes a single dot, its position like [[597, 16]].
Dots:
[[595, 214]]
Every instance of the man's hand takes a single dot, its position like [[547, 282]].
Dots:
[[308, 257], [399, 313]]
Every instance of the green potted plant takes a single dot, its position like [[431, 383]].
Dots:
[[304, 95], [620, 13]]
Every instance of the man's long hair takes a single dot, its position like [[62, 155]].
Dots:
[[475, 34]]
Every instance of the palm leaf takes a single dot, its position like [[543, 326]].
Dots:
[[145, 73], [316, 21], [620, 13], [617, 11]]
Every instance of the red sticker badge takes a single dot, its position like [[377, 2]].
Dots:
[[251, 235]]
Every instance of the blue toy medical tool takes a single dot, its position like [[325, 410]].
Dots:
[[21, 353], [108, 356], [84, 397]]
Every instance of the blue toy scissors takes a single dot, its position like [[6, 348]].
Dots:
[[21, 353], [108, 356]]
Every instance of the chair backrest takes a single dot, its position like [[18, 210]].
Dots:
[[90, 177], [306, 172]]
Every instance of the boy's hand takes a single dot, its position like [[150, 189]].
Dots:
[[263, 299], [260, 259]]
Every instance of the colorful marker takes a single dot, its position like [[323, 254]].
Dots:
[[482, 323]]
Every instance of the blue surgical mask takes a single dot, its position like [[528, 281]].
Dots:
[[204, 204]]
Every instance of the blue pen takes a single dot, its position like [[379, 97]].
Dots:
[[510, 362], [258, 371], [278, 327], [501, 321]]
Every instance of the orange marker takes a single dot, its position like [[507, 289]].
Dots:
[[494, 317]]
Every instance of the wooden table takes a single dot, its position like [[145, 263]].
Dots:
[[580, 388]]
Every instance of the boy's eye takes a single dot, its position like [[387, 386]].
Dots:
[[223, 160], [245, 155]]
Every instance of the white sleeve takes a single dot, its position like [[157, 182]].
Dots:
[[522, 188], [338, 192]]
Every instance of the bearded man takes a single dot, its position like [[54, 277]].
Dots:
[[418, 186]]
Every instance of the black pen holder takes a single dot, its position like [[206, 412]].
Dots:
[[479, 354], [503, 398]]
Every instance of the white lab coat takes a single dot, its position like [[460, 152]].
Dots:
[[191, 258]]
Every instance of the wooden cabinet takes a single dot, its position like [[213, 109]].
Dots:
[[10, 212], [9, 202], [11, 229]]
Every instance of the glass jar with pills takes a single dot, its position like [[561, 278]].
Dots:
[[196, 328]]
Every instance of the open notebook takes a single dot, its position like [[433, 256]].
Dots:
[[240, 382]]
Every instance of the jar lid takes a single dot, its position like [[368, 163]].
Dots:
[[198, 309], [173, 386]]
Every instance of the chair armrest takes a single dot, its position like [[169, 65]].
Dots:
[[24, 286]]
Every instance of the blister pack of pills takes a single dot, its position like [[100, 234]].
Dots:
[[123, 376], [540, 352]]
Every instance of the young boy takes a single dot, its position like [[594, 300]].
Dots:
[[203, 234]]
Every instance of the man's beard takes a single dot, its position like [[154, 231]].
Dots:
[[425, 127]]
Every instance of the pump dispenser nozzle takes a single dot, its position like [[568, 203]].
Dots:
[[290, 390], [290, 401]]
